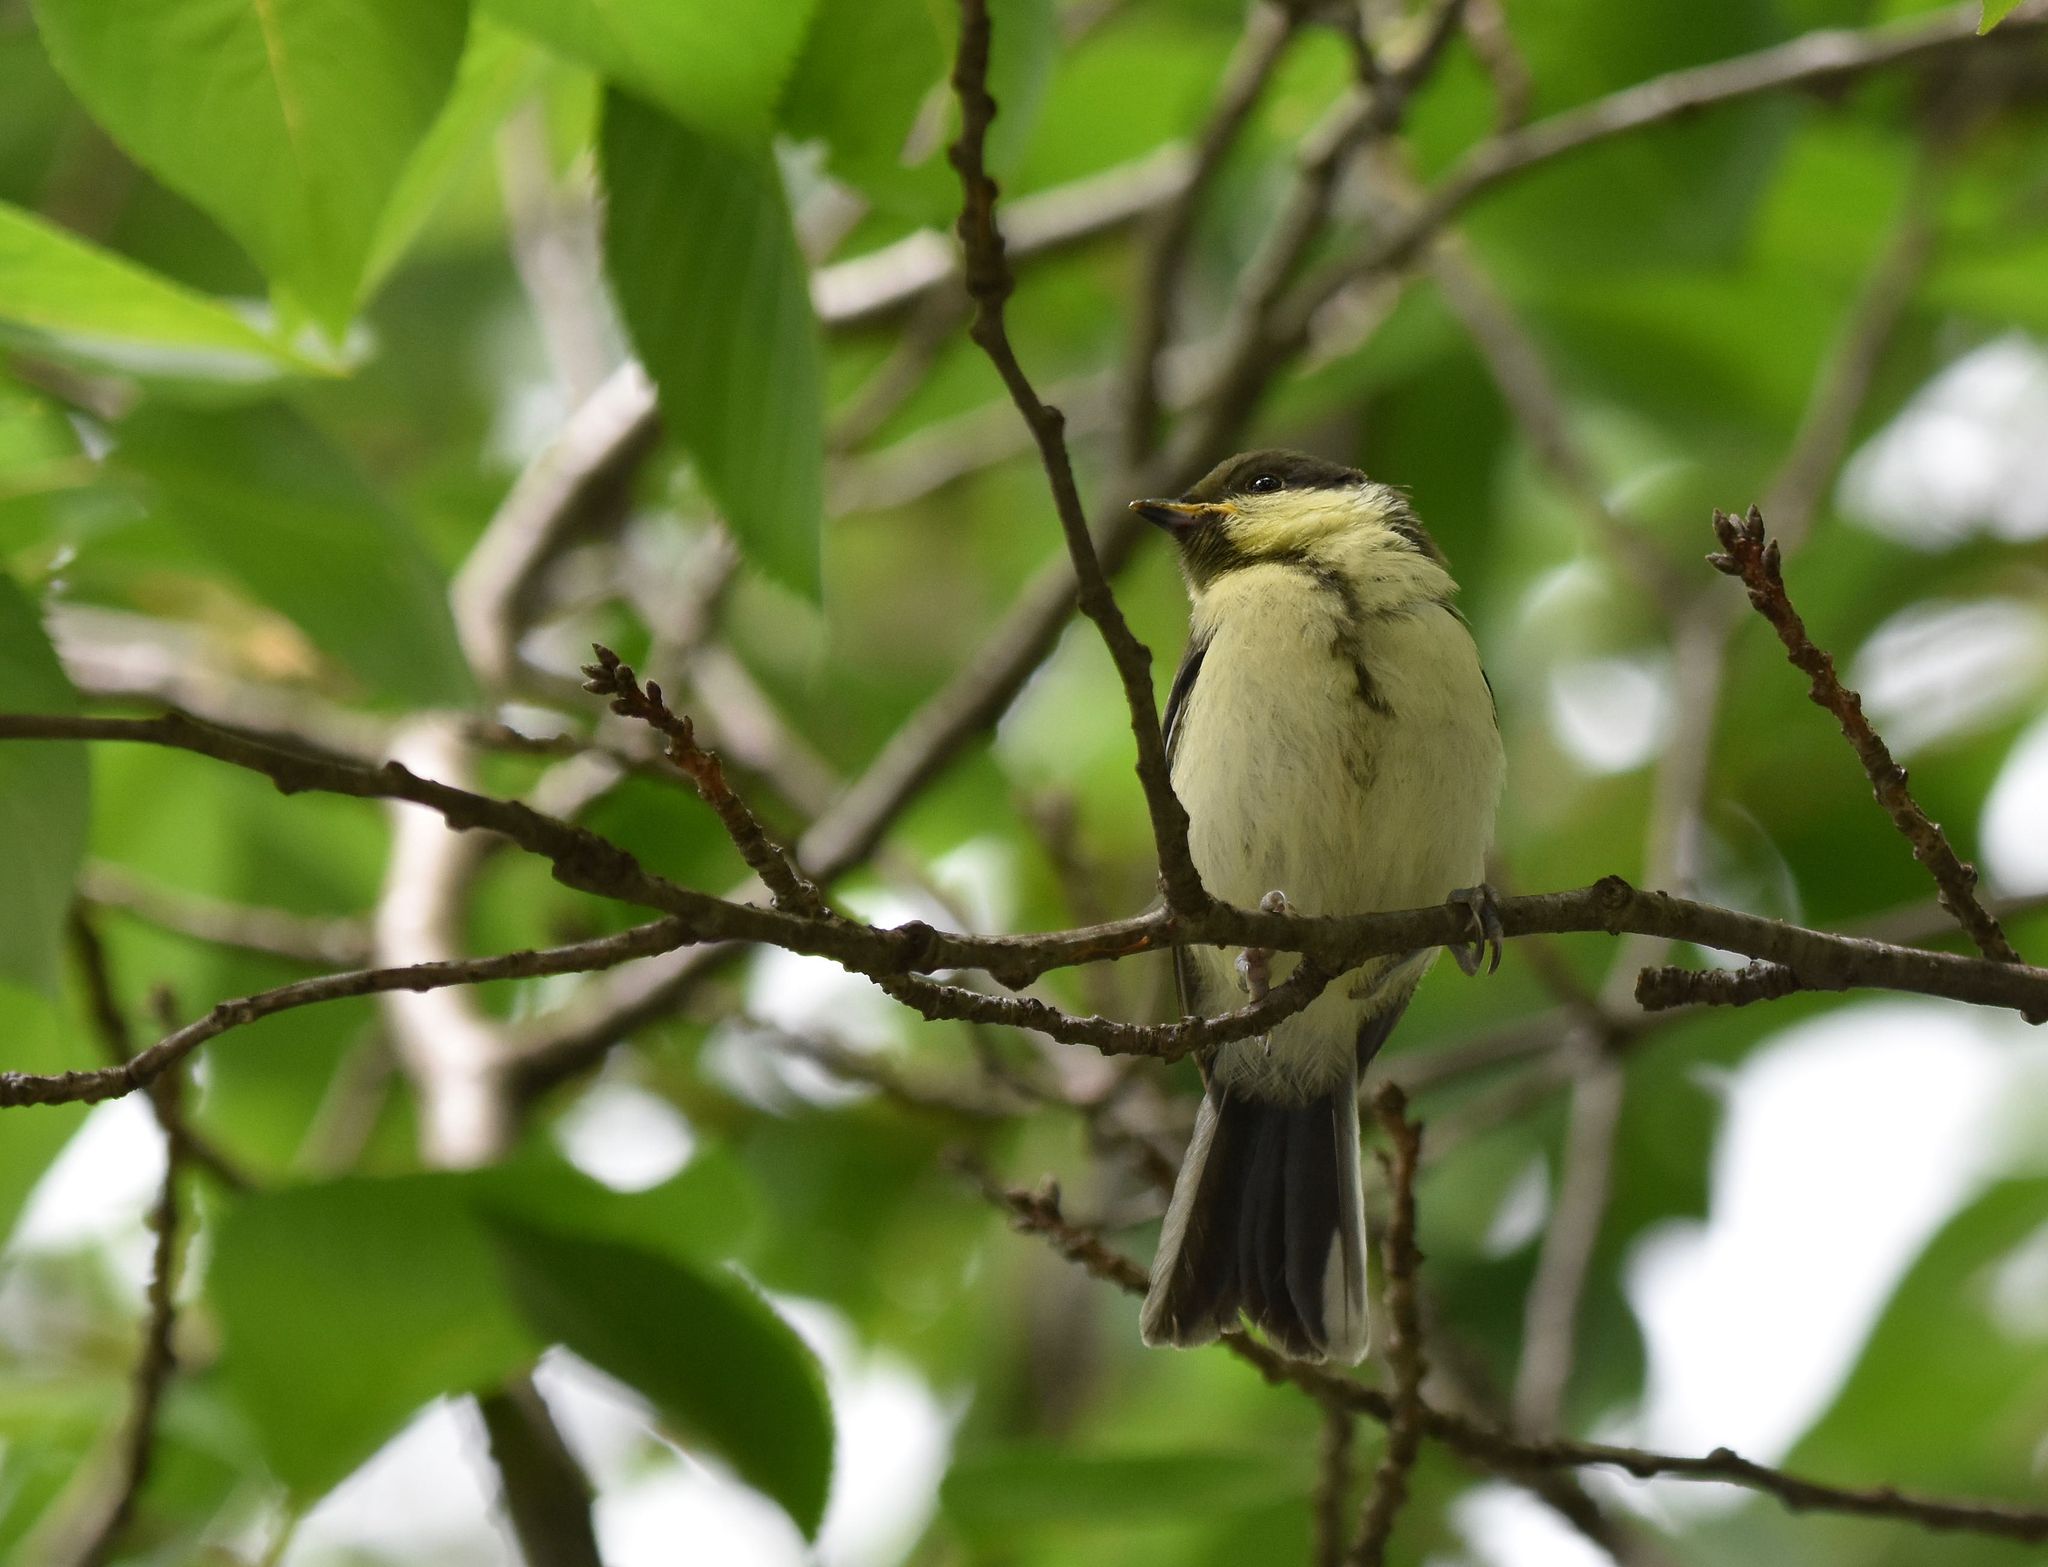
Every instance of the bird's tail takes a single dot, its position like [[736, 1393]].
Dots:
[[1268, 1218]]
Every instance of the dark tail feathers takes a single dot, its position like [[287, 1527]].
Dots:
[[1267, 1218]]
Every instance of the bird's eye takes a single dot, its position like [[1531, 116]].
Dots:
[[1265, 483]]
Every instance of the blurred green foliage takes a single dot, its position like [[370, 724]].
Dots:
[[279, 327]]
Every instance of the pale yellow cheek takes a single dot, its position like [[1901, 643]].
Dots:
[[1272, 525], [1271, 533]]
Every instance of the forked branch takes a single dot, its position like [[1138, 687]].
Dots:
[[1747, 556]]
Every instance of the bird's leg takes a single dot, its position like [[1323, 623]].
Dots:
[[1255, 964], [1482, 903]]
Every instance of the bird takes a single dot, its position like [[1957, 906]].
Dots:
[[1333, 739]]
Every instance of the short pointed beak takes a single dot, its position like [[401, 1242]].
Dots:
[[1178, 517]]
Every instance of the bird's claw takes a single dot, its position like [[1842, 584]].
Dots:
[[1255, 964], [1483, 904], [1255, 971]]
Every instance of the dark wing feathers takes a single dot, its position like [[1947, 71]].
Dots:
[[1176, 703], [1183, 687]]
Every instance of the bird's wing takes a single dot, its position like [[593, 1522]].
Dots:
[[1183, 687], [1176, 703]]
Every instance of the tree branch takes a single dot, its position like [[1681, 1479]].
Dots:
[[1824, 58], [581, 483], [298, 938], [1404, 1344], [1330, 945], [1268, 29], [117, 1041], [1757, 566], [1664, 988], [870, 288], [156, 1363], [610, 677], [989, 284], [452, 1050], [1501, 1451], [542, 1488], [140, 1070], [1550, 1320], [1333, 1483]]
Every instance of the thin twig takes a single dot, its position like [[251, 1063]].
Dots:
[[1268, 28], [1464, 1385], [117, 1042], [610, 677], [1333, 1487], [989, 284], [1550, 1319], [1404, 1340], [901, 276], [300, 938], [153, 1367], [869, 1069], [1535, 400], [1747, 557], [580, 485], [1493, 42], [967, 704], [143, 1068], [1038, 1213], [1824, 58], [1544, 1036], [896, 379], [1502, 1451]]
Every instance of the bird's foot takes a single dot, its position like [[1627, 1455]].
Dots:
[[1482, 903], [1255, 964]]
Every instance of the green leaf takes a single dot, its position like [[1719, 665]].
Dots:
[[990, 1493], [1023, 54], [289, 121], [716, 1361], [498, 70], [721, 67], [345, 1307], [866, 70], [34, 1039], [701, 1214], [715, 293], [1954, 1372], [268, 496], [43, 800], [1994, 12], [72, 298]]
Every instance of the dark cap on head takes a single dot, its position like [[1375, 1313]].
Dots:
[[1253, 473]]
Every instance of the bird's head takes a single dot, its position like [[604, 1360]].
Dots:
[[1289, 508]]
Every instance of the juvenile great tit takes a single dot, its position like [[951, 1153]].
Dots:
[[1333, 739]]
